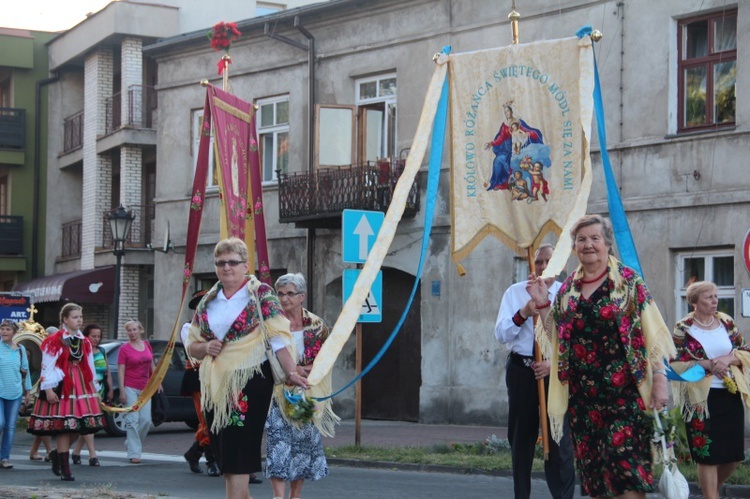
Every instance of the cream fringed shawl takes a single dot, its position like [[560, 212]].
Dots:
[[646, 338], [243, 352], [693, 397], [315, 333]]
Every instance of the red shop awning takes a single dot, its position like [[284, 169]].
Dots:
[[81, 286]]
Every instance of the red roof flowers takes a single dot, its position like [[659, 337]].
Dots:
[[222, 35]]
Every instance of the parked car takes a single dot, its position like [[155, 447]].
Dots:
[[181, 407]]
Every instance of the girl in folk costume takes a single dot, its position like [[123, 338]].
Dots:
[[69, 401]]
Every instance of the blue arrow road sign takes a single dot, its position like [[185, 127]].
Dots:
[[358, 234], [372, 308]]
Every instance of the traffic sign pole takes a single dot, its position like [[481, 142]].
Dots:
[[359, 229], [358, 389]]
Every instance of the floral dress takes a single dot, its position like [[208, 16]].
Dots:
[[296, 452], [610, 430]]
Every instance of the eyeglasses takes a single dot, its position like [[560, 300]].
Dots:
[[289, 294], [231, 263]]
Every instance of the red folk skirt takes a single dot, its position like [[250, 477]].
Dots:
[[77, 412]]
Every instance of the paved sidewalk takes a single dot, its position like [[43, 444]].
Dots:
[[405, 434]]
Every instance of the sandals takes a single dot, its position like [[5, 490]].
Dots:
[[35, 457], [76, 458], [94, 461], [135, 460]]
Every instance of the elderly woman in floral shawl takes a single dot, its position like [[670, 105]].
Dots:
[[236, 379], [712, 407], [606, 342], [294, 447]]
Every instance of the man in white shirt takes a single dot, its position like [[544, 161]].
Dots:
[[515, 329]]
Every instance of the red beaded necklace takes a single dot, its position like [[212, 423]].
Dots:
[[590, 281]]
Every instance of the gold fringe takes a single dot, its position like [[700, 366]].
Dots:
[[241, 115], [223, 377], [324, 418], [491, 230], [693, 397]]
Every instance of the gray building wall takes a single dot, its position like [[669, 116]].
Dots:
[[462, 365]]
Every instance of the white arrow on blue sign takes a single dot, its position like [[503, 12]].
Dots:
[[372, 308], [358, 233]]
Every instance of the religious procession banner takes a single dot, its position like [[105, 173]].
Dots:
[[238, 165], [520, 133], [236, 151]]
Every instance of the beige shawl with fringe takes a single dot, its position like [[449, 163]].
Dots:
[[636, 305], [224, 377], [316, 332], [693, 397]]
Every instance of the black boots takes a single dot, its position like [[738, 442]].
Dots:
[[211, 468], [65, 467], [193, 456], [55, 459]]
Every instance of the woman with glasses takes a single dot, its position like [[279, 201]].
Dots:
[[226, 335], [295, 452]]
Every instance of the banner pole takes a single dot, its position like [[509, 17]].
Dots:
[[514, 16], [540, 383]]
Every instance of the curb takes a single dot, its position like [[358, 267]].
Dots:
[[727, 491]]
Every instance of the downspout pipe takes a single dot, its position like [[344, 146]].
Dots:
[[35, 226], [310, 49]]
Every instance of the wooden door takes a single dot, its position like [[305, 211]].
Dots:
[[391, 389]]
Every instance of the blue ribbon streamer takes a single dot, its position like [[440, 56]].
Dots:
[[433, 180], [623, 236], [691, 375]]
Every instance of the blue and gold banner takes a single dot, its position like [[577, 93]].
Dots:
[[521, 127]]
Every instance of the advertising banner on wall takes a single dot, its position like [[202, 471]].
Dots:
[[14, 307]]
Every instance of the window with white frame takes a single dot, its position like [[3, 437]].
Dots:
[[376, 100], [212, 179], [273, 135], [716, 266]]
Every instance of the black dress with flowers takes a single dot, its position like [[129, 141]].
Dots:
[[609, 428]]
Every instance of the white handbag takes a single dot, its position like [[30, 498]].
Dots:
[[672, 483]]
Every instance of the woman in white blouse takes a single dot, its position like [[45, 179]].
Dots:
[[713, 407]]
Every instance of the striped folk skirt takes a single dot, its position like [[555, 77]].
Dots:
[[77, 412]]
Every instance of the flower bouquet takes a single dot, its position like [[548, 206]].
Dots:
[[299, 408], [222, 35]]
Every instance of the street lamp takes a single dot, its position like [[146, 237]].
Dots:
[[119, 223]]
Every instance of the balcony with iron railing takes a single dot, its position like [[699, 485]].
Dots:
[[141, 231], [12, 128], [141, 106], [11, 235], [317, 200], [71, 240], [73, 132]]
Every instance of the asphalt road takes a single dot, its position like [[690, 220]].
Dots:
[[164, 473]]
